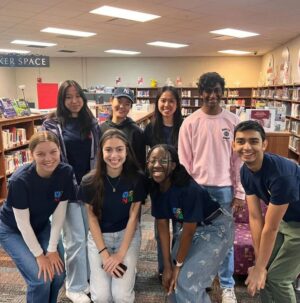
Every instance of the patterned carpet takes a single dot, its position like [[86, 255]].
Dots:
[[148, 289]]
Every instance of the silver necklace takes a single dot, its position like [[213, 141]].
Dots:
[[114, 188]]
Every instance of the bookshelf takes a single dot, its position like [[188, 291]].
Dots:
[[286, 97], [239, 97], [16, 133], [145, 94]]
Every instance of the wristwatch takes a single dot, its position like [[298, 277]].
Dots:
[[177, 264]]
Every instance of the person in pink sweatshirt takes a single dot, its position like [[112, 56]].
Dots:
[[205, 150]]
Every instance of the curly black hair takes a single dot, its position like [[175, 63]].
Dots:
[[209, 81]]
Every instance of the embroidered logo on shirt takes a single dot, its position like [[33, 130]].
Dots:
[[226, 133], [177, 212], [57, 195], [127, 197]]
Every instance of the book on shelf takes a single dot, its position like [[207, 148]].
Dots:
[[21, 107], [260, 104], [13, 137], [7, 109], [104, 112], [294, 144], [280, 117], [14, 160], [296, 94], [295, 112], [265, 117], [295, 127]]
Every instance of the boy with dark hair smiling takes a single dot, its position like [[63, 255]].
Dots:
[[276, 240], [204, 148]]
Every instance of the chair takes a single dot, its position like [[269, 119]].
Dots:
[[243, 249]]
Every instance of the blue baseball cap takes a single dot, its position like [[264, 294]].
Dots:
[[124, 92]]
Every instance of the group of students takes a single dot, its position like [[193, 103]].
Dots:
[[91, 180]]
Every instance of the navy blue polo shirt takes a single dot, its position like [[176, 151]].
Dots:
[[277, 182], [116, 205], [190, 203], [41, 196]]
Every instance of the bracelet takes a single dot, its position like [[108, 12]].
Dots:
[[103, 249]]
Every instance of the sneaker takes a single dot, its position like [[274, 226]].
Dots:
[[297, 284], [78, 297], [87, 290], [228, 296], [160, 277]]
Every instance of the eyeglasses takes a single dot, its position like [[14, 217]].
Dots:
[[163, 161]]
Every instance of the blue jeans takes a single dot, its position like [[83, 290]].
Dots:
[[105, 288], [209, 245], [37, 290], [224, 196], [74, 239]]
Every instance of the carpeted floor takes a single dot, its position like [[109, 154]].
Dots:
[[148, 289]]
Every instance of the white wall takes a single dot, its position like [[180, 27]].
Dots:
[[294, 74], [8, 86], [238, 71]]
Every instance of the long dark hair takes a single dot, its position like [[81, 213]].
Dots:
[[62, 114], [157, 120], [97, 176], [179, 177]]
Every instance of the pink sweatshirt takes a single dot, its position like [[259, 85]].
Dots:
[[205, 150]]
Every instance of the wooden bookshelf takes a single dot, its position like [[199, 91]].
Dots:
[[26, 122]]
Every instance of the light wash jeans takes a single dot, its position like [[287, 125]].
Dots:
[[37, 290], [209, 245], [75, 231], [104, 288], [224, 196]]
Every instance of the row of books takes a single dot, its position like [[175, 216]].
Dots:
[[295, 127], [189, 102], [186, 111], [142, 93], [295, 110], [186, 93], [13, 137], [14, 160], [13, 108], [16, 136], [279, 93], [294, 144]]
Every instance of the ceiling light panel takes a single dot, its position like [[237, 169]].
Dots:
[[67, 32], [37, 43], [234, 52], [122, 52], [167, 44], [14, 51], [123, 13], [234, 33]]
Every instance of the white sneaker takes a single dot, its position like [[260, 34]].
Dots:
[[78, 297], [228, 296]]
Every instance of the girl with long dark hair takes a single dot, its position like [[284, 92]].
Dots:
[[113, 192], [164, 129], [78, 133]]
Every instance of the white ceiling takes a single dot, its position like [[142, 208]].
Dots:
[[182, 21]]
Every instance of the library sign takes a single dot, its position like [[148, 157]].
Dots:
[[24, 61]]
